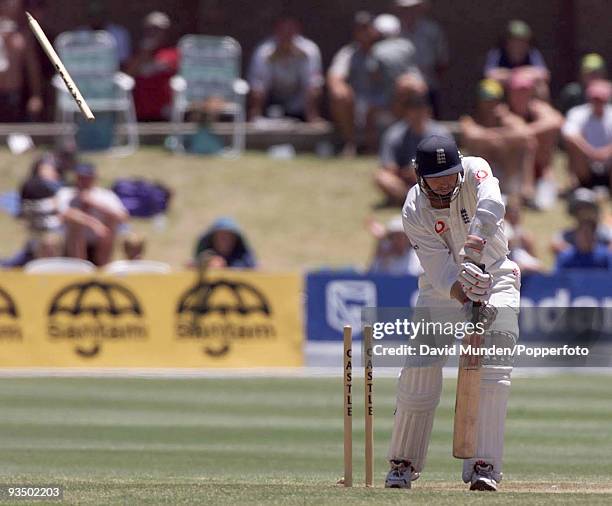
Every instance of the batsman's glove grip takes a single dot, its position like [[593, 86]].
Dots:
[[475, 282]]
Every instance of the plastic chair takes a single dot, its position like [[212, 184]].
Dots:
[[210, 67], [59, 265], [128, 267], [93, 62]]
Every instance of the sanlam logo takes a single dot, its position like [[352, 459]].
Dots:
[[221, 312], [95, 312]]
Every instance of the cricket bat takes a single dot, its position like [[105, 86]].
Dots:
[[465, 431]]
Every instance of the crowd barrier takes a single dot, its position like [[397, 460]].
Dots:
[[227, 319], [336, 298]]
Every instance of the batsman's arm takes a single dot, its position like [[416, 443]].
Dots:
[[490, 211]]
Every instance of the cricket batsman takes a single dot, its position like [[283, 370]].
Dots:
[[454, 219]]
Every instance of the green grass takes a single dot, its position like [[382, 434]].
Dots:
[[297, 214], [279, 441]]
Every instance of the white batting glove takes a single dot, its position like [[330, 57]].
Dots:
[[476, 283], [473, 248]]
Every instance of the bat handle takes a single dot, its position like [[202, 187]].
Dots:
[[477, 305]]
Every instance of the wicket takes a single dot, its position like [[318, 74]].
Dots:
[[368, 405], [59, 67]]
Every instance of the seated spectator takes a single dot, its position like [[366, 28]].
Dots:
[[517, 52], [398, 147], [92, 215], [98, 18], [587, 133], [392, 57], [430, 44], [394, 254], [47, 168], [352, 98], [152, 66], [492, 134], [19, 67], [592, 66], [134, 246], [40, 212], [582, 206], [587, 253], [226, 246], [285, 74], [540, 123], [521, 242]]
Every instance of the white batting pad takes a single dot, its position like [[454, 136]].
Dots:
[[494, 392], [418, 395]]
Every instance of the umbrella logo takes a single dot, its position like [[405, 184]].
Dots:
[[9, 329], [222, 311], [91, 312], [7, 305]]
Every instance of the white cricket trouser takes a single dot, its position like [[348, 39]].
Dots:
[[419, 388]]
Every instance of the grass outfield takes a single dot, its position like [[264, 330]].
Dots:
[[297, 214], [279, 441]]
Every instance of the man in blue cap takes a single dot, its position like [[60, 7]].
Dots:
[[453, 217]]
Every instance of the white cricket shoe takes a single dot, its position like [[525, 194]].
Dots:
[[401, 474], [482, 477]]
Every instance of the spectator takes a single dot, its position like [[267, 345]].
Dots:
[[517, 52], [19, 67], [47, 169], [430, 44], [587, 253], [540, 123], [92, 215], [398, 147], [588, 137], [154, 63], [352, 98], [582, 206], [226, 244], [391, 58], [492, 134], [394, 254], [592, 66], [39, 211], [285, 74], [134, 246], [521, 242], [98, 18]]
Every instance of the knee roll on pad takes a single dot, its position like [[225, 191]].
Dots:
[[419, 388]]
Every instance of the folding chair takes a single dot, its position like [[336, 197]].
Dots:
[[59, 265], [91, 58], [210, 67], [127, 267]]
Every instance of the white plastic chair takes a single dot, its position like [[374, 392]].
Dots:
[[59, 265], [210, 67], [92, 59], [128, 267]]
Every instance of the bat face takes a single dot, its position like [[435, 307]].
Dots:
[[465, 430]]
